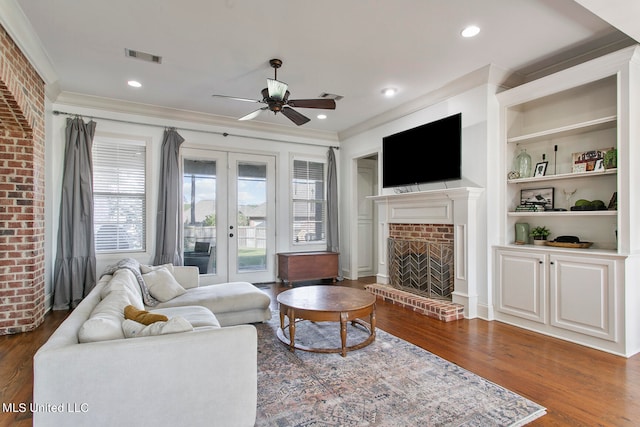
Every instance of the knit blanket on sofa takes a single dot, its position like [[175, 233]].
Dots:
[[134, 266]]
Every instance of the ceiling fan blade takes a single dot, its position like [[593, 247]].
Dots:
[[294, 116], [325, 103], [277, 89], [253, 114], [236, 98]]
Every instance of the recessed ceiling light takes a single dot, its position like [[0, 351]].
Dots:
[[322, 116], [389, 92], [134, 83], [470, 31]]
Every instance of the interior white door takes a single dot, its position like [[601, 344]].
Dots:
[[366, 231], [228, 215]]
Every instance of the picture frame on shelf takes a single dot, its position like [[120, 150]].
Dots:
[[589, 161], [613, 203], [538, 196], [599, 165], [541, 169]]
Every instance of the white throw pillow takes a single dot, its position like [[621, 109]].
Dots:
[[105, 320], [162, 285], [144, 269], [133, 329]]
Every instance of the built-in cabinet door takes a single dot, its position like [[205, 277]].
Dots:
[[522, 284], [582, 295]]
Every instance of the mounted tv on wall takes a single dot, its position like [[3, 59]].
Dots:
[[403, 161]]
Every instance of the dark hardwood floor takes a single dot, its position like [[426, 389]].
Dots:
[[578, 386]]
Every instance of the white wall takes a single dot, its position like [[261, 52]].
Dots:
[[479, 151], [479, 157], [196, 135]]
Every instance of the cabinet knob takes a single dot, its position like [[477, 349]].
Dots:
[[230, 234], [552, 263]]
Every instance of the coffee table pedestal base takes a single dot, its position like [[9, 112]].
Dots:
[[343, 337]]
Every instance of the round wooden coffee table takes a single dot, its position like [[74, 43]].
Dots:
[[330, 303]]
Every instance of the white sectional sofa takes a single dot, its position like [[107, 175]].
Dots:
[[197, 369]]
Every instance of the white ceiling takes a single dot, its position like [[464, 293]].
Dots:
[[353, 48]]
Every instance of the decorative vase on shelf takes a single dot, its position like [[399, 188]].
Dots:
[[522, 164], [522, 233]]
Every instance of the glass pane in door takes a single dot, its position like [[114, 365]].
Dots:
[[251, 217], [199, 214]]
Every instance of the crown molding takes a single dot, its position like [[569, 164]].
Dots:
[[286, 133], [489, 74]]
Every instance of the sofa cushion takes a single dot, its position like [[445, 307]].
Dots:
[[143, 316], [133, 329], [124, 280], [162, 285], [105, 321], [198, 316], [223, 298]]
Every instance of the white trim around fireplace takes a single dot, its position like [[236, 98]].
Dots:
[[455, 206]]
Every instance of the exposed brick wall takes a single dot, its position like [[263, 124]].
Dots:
[[436, 233], [21, 191]]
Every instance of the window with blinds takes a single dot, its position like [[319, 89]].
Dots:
[[119, 199], [309, 203]]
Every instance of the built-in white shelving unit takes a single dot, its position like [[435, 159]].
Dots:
[[584, 295]]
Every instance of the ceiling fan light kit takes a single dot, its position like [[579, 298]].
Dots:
[[276, 98], [277, 89]]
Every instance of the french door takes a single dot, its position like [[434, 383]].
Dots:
[[229, 215]]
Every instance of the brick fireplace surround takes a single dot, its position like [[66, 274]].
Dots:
[[22, 180], [439, 215], [436, 308]]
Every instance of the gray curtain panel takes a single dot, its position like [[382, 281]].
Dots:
[[168, 227], [75, 266], [333, 244]]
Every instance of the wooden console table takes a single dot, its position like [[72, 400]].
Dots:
[[300, 266]]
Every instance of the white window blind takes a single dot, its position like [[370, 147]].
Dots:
[[309, 204], [119, 200]]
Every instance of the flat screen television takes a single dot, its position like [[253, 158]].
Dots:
[[427, 153]]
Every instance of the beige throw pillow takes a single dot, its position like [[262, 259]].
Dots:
[[162, 285]]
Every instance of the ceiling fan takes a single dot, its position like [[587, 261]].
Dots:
[[276, 98]]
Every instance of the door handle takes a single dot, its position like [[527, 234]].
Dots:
[[230, 234]]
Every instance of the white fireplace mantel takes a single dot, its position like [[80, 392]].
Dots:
[[455, 206]]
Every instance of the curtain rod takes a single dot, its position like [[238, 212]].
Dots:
[[225, 134]]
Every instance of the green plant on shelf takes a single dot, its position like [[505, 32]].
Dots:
[[539, 233], [610, 160]]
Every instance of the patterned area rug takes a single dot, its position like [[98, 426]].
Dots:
[[389, 383]]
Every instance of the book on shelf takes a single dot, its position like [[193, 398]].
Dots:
[[529, 208]]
